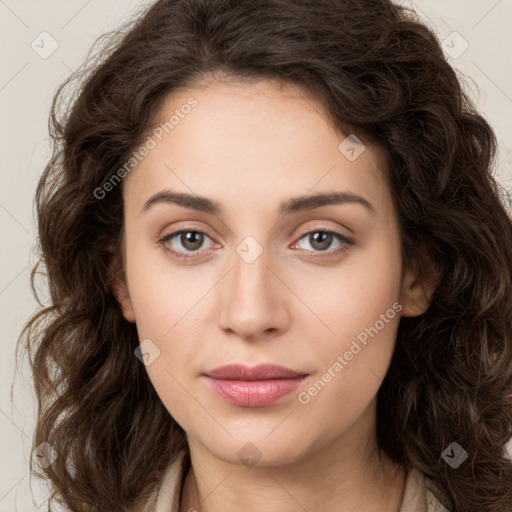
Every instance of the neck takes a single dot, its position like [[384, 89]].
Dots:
[[344, 475]]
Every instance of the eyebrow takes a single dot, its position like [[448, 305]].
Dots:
[[292, 205]]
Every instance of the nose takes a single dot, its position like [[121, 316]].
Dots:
[[253, 299]]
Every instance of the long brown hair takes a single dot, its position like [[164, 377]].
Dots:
[[382, 75]]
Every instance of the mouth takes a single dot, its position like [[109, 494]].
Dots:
[[253, 387]]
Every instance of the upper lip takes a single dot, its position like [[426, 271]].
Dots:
[[260, 372]]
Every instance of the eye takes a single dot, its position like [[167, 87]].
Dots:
[[190, 240], [321, 240]]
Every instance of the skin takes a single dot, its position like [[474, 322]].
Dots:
[[249, 147]]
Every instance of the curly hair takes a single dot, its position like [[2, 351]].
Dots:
[[382, 75]]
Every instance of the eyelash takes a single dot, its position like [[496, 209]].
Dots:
[[346, 242]]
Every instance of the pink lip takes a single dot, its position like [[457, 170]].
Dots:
[[253, 387]]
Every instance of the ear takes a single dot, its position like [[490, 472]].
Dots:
[[419, 283], [119, 286]]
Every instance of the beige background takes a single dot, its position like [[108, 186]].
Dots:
[[27, 84]]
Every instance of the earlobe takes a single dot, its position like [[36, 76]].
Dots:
[[418, 287], [120, 290]]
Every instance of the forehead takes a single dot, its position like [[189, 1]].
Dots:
[[249, 142]]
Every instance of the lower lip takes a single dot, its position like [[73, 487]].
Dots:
[[253, 393]]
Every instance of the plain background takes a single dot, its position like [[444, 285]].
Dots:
[[27, 84]]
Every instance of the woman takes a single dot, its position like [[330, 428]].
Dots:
[[280, 270]]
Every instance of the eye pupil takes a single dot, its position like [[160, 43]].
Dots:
[[324, 242]]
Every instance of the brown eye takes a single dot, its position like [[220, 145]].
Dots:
[[179, 243], [191, 240], [320, 240]]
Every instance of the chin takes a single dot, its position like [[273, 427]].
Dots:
[[257, 450]]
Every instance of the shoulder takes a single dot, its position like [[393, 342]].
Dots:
[[420, 494], [166, 496], [433, 503]]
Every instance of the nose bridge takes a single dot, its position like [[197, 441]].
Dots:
[[250, 304]]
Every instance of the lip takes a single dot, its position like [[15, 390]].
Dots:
[[256, 386], [260, 372]]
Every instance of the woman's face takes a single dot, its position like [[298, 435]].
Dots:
[[272, 277]]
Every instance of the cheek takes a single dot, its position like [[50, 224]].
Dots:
[[351, 365], [359, 309], [161, 294], [346, 300]]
